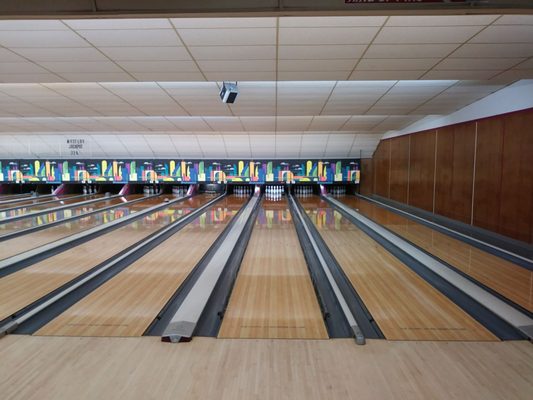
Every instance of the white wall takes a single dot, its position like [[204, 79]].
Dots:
[[515, 97]]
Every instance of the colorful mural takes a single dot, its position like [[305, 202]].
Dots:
[[185, 171]]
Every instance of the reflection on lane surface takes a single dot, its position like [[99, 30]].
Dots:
[[74, 211], [35, 201], [506, 278], [404, 306], [31, 283], [273, 296], [128, 303], [23, 243]]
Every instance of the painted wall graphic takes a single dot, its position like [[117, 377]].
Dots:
[[184, 171]]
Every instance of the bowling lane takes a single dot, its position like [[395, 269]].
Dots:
[[31, 283], [128, 303], [17, 245], [6, 197], [40, 207], [404, 306], [508, 279], [34, 201], [44, 219], [273, 296]]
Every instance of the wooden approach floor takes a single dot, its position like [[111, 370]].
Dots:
[[24, 287], [128, 303], [273, 296], [506, 278], [66, 368], [20, 244], [404, 306]]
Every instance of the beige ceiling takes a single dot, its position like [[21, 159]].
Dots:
[[309, 86]]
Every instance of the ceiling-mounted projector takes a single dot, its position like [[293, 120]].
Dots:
[[229, 92]]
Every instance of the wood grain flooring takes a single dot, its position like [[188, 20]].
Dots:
[[508, 279], [35, 201], [11, 247], [66, 368], [273, 296], [44, 219], [404, 306], [24, 287], [128, 303]]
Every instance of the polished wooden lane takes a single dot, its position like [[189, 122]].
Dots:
[[404, 306], [129, 302], [33, 240], [44, 219], [7, 197], [508, 279], [273, 296], [34, 201], [40, 207], [31, 283]]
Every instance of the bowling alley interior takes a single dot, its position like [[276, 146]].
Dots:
[[290, 199]]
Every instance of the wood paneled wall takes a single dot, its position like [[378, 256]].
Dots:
[[477, 172], [399, 168], [366, 185], [382, 169]]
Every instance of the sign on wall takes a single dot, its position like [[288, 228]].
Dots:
[[75, 147]]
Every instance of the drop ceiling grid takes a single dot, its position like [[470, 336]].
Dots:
[[309, 32], [337, 104]]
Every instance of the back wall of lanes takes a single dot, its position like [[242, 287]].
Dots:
[[185, 171]]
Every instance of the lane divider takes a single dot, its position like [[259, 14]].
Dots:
[[54, 209], [44, 202], [25, 198], [13, 324], [358, 334], [78, 237], [183, 323], [511, 315], [466, 238]]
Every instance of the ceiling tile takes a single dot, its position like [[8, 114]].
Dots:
[[80, 66], [32, 25], [515, 20], [119, 23], [315, 65], [237, 65], [326, 35], [396, 64], [506, 50], [409, 50], [505, 34], [152, 53], [197, 23], [313, 75], [477, 63], [386, 75], [41, 39], [434, 34], [233, 52], [344, 21], [140, 37], [441, 20], [210, 37], [158, 66]]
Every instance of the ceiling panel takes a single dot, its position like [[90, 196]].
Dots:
[[223, 36], [307, 85], [326, 35]]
